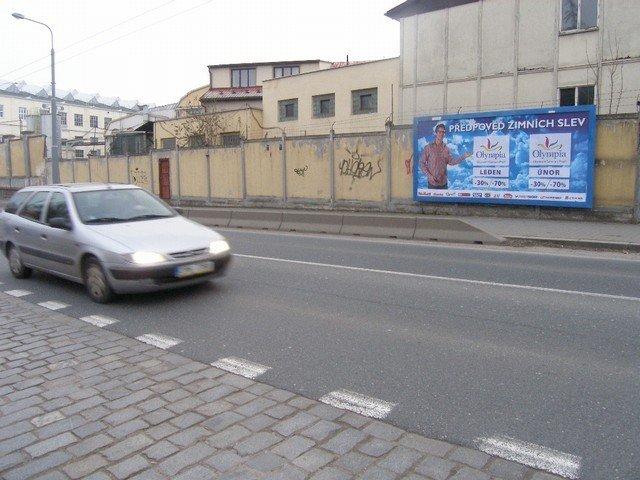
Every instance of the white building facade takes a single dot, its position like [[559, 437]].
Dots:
[[481, 55], [84, 118]]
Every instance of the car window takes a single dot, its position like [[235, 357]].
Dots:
[[57, 207], [119, 205], [16, 200], [33, 208]]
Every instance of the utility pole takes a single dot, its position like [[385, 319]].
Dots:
[[55, 133]]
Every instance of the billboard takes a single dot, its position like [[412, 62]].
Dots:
[[527, 157]]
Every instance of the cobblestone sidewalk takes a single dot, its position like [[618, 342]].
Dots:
[[77, 401]]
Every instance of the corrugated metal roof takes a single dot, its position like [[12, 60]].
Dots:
[[233, 93], [44, 93]]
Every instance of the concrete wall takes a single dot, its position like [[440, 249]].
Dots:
[[309, 168], [23, 159], [363, 172], [505, 54]]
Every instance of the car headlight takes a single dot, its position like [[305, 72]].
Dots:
[[218, 246], [147, 258]]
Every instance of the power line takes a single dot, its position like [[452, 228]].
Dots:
[[89, 37], [120, 37]]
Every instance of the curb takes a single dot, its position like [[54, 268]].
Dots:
[[624, 247]]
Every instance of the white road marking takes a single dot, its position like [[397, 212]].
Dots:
[[160, 341], [18, 293], [356, 402], [99, 320], [448, 279], [537, 456], [241, 367], [53, 305]]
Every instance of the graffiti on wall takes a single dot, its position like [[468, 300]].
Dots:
[[139, 176], [408, 165], [356, 167], [301, 171]]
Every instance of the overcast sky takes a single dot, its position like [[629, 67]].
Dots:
[[166, 45]]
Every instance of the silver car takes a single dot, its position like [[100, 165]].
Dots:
[[112, 238]]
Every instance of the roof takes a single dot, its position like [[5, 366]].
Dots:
[[73, 96], [416, 7], [261, 64], [233, 93], [349, 64]]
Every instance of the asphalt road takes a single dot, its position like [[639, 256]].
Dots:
[[469, 342]]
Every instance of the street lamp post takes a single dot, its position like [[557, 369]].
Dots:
[[55, 133]]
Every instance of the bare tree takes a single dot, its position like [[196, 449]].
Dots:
[[612, 71], [200, 130]]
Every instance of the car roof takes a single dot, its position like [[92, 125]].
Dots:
[[81, 187]]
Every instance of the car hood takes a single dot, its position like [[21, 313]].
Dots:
[[161, 235]]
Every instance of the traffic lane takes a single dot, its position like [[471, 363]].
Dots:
[[607, 273], [454, 375]]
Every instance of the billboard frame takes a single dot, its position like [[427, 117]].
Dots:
[[587, 204]]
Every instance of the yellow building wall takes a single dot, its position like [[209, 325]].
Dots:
[[263, 162], [309, 168], [193, 173], [17, 158], [140, 173], [341, 82], [616, 162], [402, 164], [245, 121], [361, 168], [226, 173], [36, 155], [81, 171]]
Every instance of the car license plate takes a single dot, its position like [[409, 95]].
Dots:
[[194, 269]]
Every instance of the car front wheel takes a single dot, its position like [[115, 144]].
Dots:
[[16, 266], [96, 283]]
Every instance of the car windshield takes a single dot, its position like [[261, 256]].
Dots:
[[118, 205]]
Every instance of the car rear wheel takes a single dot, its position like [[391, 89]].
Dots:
[[96, 283], [16, 266]]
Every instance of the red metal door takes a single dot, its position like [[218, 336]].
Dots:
[[165, 178]]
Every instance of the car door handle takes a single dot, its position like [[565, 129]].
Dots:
[[16, 229], [43, 236]]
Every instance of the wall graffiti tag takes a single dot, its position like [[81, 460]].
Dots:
[[301, 171], [357, 168], [408, 165]]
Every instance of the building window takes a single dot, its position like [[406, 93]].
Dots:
[[78, 120], [78, 153], [364, 101], [279, 72], [168, 143], [93, 121], [579, 14], [324, 105], [22, 113], [1, 111], [196, 141], [107, 121], [63, 118], [288, 110], [243, 77], [94, 140], [572, 96], [231, 139]]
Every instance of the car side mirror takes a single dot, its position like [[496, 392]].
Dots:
[[59, 222]]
